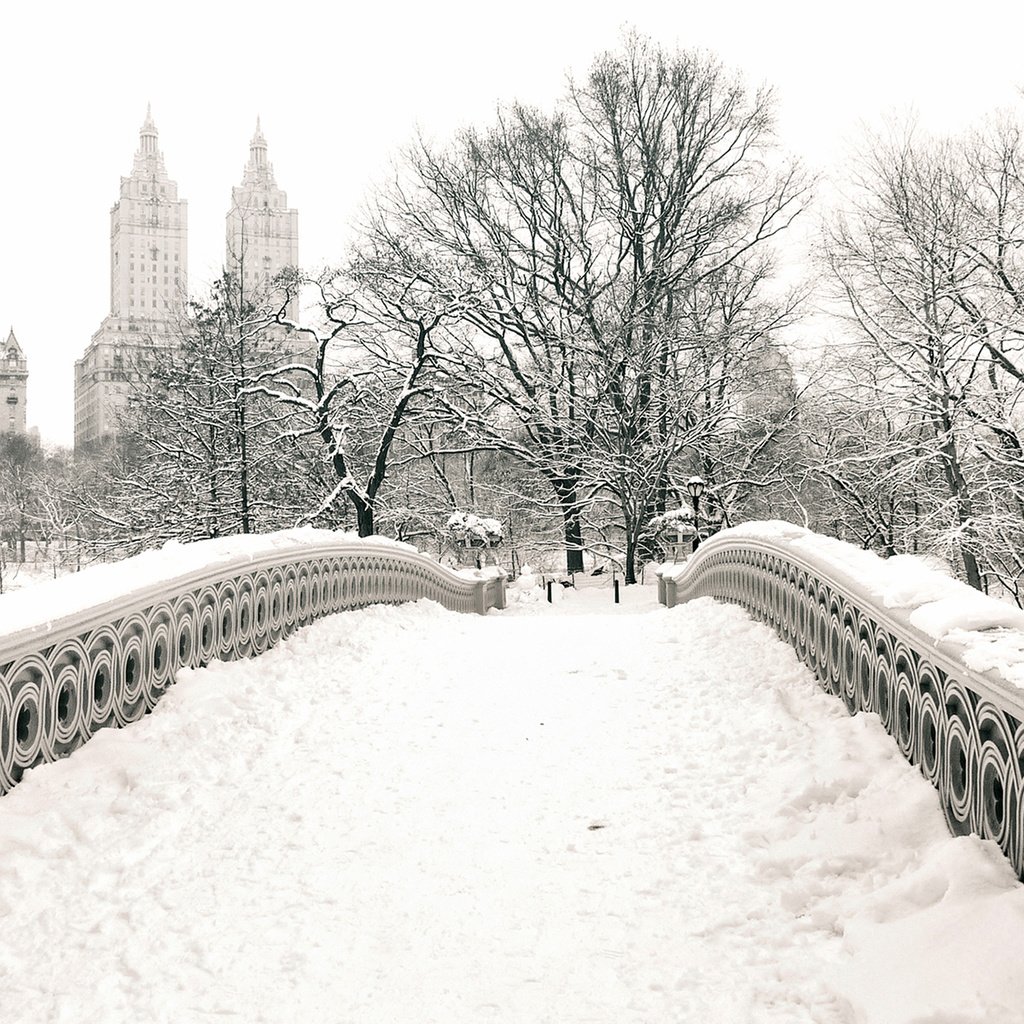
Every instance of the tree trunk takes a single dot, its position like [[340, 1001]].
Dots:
[[243, 475], [957, 483], [630, 558], [565, 489], [573, 539], [364, 518], [971, 569]]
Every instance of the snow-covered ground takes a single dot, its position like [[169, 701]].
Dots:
[[623, 814], [21, 575]]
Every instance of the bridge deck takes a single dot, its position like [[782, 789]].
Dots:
[[407, 815]]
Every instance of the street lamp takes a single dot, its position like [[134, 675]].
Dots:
[[695, 485]]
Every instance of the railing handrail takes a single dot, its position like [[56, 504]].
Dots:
[[962, 727], [84, 661], [946, 652], [15, 643]]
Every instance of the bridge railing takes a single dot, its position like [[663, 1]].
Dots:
[[99, 648], [960, 725]]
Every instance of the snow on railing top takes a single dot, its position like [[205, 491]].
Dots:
[[40, 609], [986, 633]]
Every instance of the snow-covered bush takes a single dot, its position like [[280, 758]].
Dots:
[[469, 530], [678, 521]]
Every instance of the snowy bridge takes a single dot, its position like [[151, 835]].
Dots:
[[584, 813]]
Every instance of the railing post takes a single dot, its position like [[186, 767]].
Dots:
[[499, 591]]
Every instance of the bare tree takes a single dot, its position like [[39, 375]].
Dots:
[[927, 261], [372, 376], [583, 234], [198, 454], [20, 458]]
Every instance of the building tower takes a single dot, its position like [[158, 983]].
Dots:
[[262, 232], [148, 286], [13, 386]]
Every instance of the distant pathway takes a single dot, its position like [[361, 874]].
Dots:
[[405, 815]]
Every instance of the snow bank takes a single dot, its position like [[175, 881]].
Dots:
[[525, 588], [485, 572]]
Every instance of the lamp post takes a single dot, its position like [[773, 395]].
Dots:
[[695, 485]]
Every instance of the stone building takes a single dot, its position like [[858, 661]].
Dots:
[[13, 386], [262, 231], [148, 286], [149, 274]]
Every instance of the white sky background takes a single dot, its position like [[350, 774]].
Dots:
[[342, 88]]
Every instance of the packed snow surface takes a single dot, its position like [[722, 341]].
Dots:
[[578, 813]]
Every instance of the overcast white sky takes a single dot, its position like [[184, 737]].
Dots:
[[340, 88]]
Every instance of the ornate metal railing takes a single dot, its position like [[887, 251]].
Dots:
[[64, 679], [961, 727]]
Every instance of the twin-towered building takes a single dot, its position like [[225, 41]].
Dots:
[[149, 272]]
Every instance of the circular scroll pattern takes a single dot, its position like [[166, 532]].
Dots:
[[960, 785], [931, 738], [26, 715], [999, 778], [65, 702]]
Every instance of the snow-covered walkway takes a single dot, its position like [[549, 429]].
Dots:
[[405, 815]]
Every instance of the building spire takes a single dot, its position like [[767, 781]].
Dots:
[[258, 147], [258, 170], [148, 134]]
